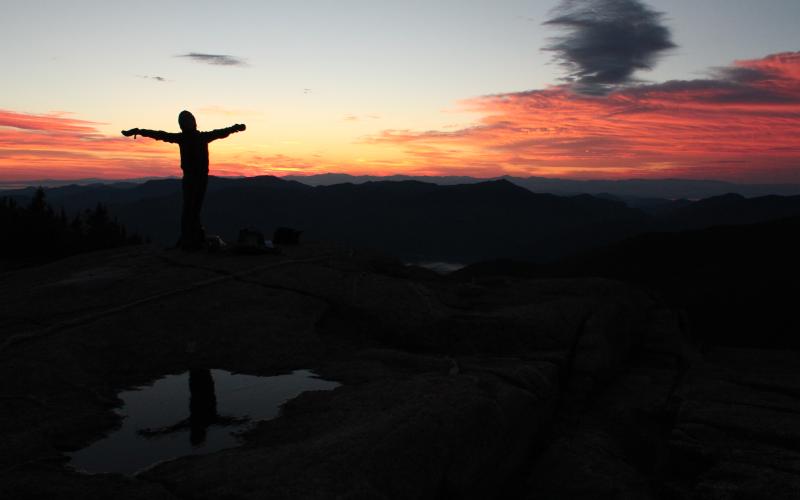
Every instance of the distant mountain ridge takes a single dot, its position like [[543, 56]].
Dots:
[[671, 189], [635, 191], [410, 219], [52, 183], [417, 220]]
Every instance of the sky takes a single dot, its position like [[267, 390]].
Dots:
[[555, 88]]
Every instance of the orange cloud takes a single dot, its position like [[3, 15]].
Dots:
[[742, 123], [55, 122], [59, 146]]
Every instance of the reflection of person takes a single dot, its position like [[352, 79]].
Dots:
[[202, 410], [202, 404], [194, 163]]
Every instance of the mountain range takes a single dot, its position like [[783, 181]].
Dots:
[[414, 220], [637, 191], [632, 189]]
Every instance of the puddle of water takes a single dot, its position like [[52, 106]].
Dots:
[[196, 412], [441, 267]]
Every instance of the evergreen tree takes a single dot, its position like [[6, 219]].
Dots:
[[36, 233]]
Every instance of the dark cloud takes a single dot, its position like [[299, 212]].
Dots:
[[215, 59], [607, 41], [771, 80], [156, 78], [739, 74], [728, 91]]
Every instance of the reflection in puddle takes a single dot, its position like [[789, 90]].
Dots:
[[441, 267], [196, 412]]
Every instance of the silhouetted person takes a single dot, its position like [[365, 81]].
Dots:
[[194, 163]]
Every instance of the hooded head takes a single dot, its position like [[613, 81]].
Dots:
[[187, 122]]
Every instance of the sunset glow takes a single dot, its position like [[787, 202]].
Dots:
[[407, 110], [742, 124]]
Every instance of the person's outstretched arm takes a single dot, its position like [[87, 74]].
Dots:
[[158, 135], [222, 133]]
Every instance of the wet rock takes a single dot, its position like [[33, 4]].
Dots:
[[495, 387], [48, 480], [587, 465], [608, 437], [737, 432], [424, 436]]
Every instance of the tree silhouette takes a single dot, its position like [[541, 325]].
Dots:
[[35, 234]]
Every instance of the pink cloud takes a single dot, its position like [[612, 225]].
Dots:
[[741, 124]]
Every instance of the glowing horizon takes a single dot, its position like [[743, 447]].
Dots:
[[440, 103], [732, 127]]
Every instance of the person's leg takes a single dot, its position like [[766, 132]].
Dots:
[[200, 194], [194, 190], [186, 223]]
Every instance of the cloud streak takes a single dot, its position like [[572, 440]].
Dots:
[[59, 146], [741, 123], [156, 78], [51, 123], [606, 41], [214, 59]]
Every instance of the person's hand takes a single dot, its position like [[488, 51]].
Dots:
[[128, 133], [240, 127]]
